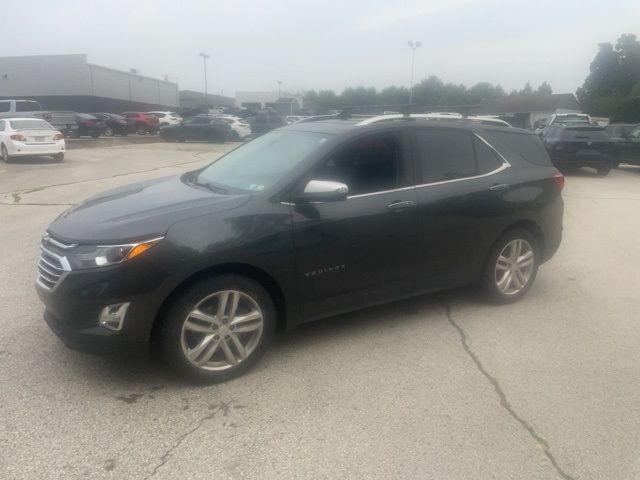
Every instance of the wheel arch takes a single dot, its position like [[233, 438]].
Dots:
[[530, 226], [263, 278]]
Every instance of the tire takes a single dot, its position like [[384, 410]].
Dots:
[[4, 154], [235, 136], [58, 157], [493, 274], [141, 129], [95, 135], [177, 340], [603, 171], [109, 132]]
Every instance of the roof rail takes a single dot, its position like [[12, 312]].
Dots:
[[410, 116]]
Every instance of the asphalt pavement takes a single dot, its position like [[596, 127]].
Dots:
[[442, 386]]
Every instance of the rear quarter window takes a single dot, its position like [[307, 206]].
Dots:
[[5, 106], [527, 146]]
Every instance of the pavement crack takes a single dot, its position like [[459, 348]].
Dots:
[[504, 401], [165, 456]]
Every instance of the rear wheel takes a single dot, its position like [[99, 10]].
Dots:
[[511, 267], [95, 135], [603, 171], [4, 154], [235, 136], [109, 132], [218, 328], [58, 157]]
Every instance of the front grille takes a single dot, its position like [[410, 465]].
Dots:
[[52, 266]]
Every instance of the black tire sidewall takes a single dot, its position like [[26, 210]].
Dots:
[[172, 321], [4, 154], [488, 284]]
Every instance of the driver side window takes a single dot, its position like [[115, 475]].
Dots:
[[369, 164]]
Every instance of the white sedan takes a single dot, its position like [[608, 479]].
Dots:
[[167, 118], [23, 137], [239, 127]]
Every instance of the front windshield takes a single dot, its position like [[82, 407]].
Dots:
[[260, 163]]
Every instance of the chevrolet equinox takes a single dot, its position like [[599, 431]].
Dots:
[[307, 221]]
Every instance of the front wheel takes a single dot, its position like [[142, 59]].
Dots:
[[511, 267], [218, 328], [603, 171], [58, 157], [109, 132], [95, 135]]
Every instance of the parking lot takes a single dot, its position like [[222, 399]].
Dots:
[[441, 387]]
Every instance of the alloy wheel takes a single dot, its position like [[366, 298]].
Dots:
[[514, 266], [222, 330], [5, 154]]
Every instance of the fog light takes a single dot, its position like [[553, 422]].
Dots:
[[112, 316]]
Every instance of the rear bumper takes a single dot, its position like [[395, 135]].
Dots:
[[582, 160], [24, 149]]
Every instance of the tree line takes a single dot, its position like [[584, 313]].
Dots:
[[612, 88], [430, 91]]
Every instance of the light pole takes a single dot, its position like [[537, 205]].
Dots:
[[204, 61], [413, 46], [279, 89]]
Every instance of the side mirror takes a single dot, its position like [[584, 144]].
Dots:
[[322, 191]]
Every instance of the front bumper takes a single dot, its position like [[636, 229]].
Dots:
[[73, 306]]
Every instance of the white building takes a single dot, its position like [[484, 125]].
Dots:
[[286, 104]]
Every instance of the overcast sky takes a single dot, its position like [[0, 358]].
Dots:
[[325, 44]]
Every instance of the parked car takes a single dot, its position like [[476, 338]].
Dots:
[[304, 222], [142, 122], [167, 118], [626, 137], [202, 127], [578, 146], [116, 124], [240, 129], [266, 120], [64, 121], [26, 137], [90, 126]]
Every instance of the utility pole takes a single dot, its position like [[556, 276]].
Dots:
[[204, 61], [279, 89], [413, 46]]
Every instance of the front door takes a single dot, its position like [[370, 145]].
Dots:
[[359, 251]]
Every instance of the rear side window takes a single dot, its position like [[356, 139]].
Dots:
[[131, 115], [445, 155], [527, 146], [27, 106], [488, 159], [5, 106]]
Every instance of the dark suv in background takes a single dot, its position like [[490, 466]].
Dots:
[[304, 222], [575, 146]]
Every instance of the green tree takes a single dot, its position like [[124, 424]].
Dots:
[[544, 89], [612, 88]]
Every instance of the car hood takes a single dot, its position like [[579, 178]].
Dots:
[[141, 210]]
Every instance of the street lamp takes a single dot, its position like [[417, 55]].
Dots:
[[413, 46], [204, 61]]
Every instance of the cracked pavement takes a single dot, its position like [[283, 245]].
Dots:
[[437, 387]]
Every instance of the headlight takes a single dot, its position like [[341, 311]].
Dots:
[[90, 256]]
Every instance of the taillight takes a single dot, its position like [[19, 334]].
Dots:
[[558, 179], [58, 136], [19, 137]]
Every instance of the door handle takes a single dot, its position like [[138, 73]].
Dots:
[[499, 186], [397, 205]]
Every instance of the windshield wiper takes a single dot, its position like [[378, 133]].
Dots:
[[209, 186]]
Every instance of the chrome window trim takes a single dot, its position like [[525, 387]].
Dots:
[[504, 166]]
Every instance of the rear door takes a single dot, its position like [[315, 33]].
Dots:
[[462, 204], [362, 250]]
